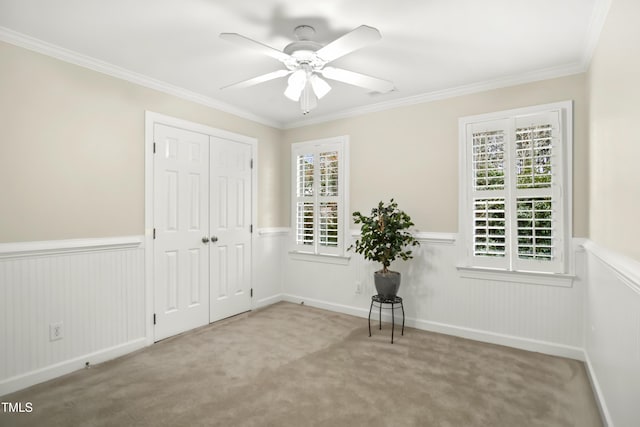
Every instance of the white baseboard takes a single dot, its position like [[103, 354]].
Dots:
[[528, 344], [346, 309], [50, 372], [597, 390], [261, 303]]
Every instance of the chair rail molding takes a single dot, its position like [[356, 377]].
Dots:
[[57, 247], [626, 269]]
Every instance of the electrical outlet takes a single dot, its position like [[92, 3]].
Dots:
[[55, 331], [358, 287]]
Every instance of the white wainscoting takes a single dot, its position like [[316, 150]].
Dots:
[[613, 334], [95, 287], [546, 319], [269, 249]]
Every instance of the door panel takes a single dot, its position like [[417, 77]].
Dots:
[[230, 223], [181, 220]]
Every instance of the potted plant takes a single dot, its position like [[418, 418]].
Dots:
[[385, 237]]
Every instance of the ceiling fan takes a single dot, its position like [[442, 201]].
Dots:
[[306, 61]]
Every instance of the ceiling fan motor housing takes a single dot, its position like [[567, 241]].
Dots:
[[304, 50]]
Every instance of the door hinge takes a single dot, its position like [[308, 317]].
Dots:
[[154, 148], [251, 293], [154, 233], [154, 318], [251, 228], [251, 164]]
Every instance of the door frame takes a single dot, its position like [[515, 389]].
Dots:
[[152, 118]]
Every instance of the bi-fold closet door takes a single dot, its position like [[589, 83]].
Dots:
[[202, 225]]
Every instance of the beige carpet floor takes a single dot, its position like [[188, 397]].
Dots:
[[293, 365]]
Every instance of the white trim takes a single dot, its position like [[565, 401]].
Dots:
[[626, 269], [528, 277], [528, 344], [431, 237], [325, 258], [339, 308], [50, 372], [57, 247], [422, 236], [152, 118], [273, 231], [265, 302], [598, 19], [597, 390], [66, 55]]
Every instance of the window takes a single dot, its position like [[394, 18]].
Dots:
[[319, 199], [515, 191]]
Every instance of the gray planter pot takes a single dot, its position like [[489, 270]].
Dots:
[[387, 284]]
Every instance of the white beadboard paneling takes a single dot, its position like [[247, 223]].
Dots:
[[613, 334], [535, 317], [97, 294], [269, 247]]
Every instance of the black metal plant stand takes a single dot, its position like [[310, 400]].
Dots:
[[382, 300]]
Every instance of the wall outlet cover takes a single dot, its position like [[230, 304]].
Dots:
[[55, 331]]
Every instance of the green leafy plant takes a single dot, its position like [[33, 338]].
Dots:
[[384, 235]]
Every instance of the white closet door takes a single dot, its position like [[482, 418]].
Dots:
[[181, 220], [230, 228]]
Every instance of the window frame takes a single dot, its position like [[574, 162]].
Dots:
[[316, 251], [511, 267]]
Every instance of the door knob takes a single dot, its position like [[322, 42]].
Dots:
[[214, 239], [205, 239]]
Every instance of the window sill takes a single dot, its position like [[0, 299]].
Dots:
[[324, 258], [528, 277]]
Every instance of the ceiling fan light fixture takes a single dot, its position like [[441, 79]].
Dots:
[[296, 84], [320, 87], [308, 99]]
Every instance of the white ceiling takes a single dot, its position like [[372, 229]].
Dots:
[[429, 48]]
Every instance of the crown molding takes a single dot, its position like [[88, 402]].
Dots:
[[598, 18], [533, 76], [70, 56]]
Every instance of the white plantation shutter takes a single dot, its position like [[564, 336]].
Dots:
[[319, 210], [304, 220], [513, 216], [328, 197], [538, 177], [488, 152], [304, 195]]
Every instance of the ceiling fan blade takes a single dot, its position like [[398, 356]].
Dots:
[[353, 40], [357, 79], [257, 80], [257, 46]]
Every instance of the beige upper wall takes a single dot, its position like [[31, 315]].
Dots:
[[411, 153], [614, 94], [72, 150]]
